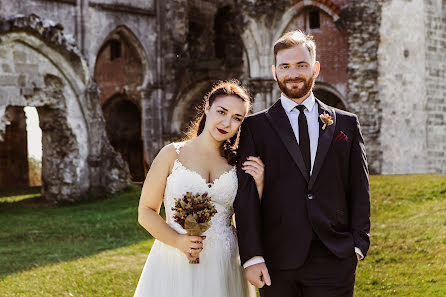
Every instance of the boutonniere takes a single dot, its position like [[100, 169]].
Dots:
[[326, 119]]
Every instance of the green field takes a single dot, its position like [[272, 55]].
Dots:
[[98, 248]]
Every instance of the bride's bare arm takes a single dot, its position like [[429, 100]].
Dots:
[[150, 203]]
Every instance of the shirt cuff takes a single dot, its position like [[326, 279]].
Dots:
[[253, 261], [358, 251]]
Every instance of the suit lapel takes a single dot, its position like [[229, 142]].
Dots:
[[324, 142], [280, 122]]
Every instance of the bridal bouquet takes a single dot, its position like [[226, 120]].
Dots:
[[194, 213]]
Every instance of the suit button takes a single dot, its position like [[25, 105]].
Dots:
[[310, 196]]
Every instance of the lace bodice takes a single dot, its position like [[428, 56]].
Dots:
[[222, 192]]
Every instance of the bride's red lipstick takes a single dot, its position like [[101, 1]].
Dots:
[[222, 131]]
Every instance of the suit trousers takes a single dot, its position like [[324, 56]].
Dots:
[[322, 275]]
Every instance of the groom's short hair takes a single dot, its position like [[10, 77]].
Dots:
[[294, 38]]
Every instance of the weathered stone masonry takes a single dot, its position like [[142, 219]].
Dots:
[[42, 68], [381, 59], [435, 20]]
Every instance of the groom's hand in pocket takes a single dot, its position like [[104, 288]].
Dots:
[[258, 275]]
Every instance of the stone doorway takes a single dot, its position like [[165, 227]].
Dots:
[[123, 125], [34, 137], [14, 169], [21, 150]]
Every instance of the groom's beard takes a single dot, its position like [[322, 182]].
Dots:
[[297, 92]]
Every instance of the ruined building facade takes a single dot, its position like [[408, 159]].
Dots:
[[153, 61]]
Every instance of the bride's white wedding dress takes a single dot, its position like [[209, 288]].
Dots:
[[167, 272]]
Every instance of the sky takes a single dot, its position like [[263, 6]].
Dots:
[[34, 133]]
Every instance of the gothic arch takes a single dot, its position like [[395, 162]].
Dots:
[[127, 34], [132, 63], [45, 70], [257, 48], [326, 6]]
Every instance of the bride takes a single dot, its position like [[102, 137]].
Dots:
[[205, 163]]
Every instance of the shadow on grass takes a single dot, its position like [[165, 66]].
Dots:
[[32, 237]]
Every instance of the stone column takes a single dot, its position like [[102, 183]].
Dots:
[[261, 90], [363, 20], [81, 26], [152, 128]]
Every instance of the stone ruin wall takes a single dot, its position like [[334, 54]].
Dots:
[[435, 69], [372, 83], [388, 45], [363, 19], [41, 68], [192, 59], [90, 22], [402, 88], [412, 87]]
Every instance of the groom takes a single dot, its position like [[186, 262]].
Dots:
[[306, 234]]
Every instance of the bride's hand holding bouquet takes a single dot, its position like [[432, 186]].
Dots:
[[193, 213]]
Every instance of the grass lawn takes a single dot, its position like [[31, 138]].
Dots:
[[98, 248]]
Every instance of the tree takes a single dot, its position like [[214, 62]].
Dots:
[[35, 172]]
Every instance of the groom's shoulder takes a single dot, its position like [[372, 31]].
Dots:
[[257, 116], [256, 121], [340, 113], [346, 116]]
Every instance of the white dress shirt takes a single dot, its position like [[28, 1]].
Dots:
[[312, 113]]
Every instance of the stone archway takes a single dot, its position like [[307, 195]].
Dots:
[[121, 72], [121, 66], [43, 69]]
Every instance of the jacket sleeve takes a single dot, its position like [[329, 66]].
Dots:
[[359, 196], [247, 202]]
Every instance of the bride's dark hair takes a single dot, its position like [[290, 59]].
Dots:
[[222, 88]]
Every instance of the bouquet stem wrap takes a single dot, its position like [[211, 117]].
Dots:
[[194, 213], [194, 228]]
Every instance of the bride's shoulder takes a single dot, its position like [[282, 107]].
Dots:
[[167, 154], [168, 149]]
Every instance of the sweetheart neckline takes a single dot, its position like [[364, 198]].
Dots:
[[201, 177]]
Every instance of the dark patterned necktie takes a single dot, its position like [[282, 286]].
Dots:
[[304, 138]]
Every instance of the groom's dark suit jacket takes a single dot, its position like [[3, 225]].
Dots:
[[334, 201]]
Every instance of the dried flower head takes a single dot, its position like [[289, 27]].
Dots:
[[198, 206]]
